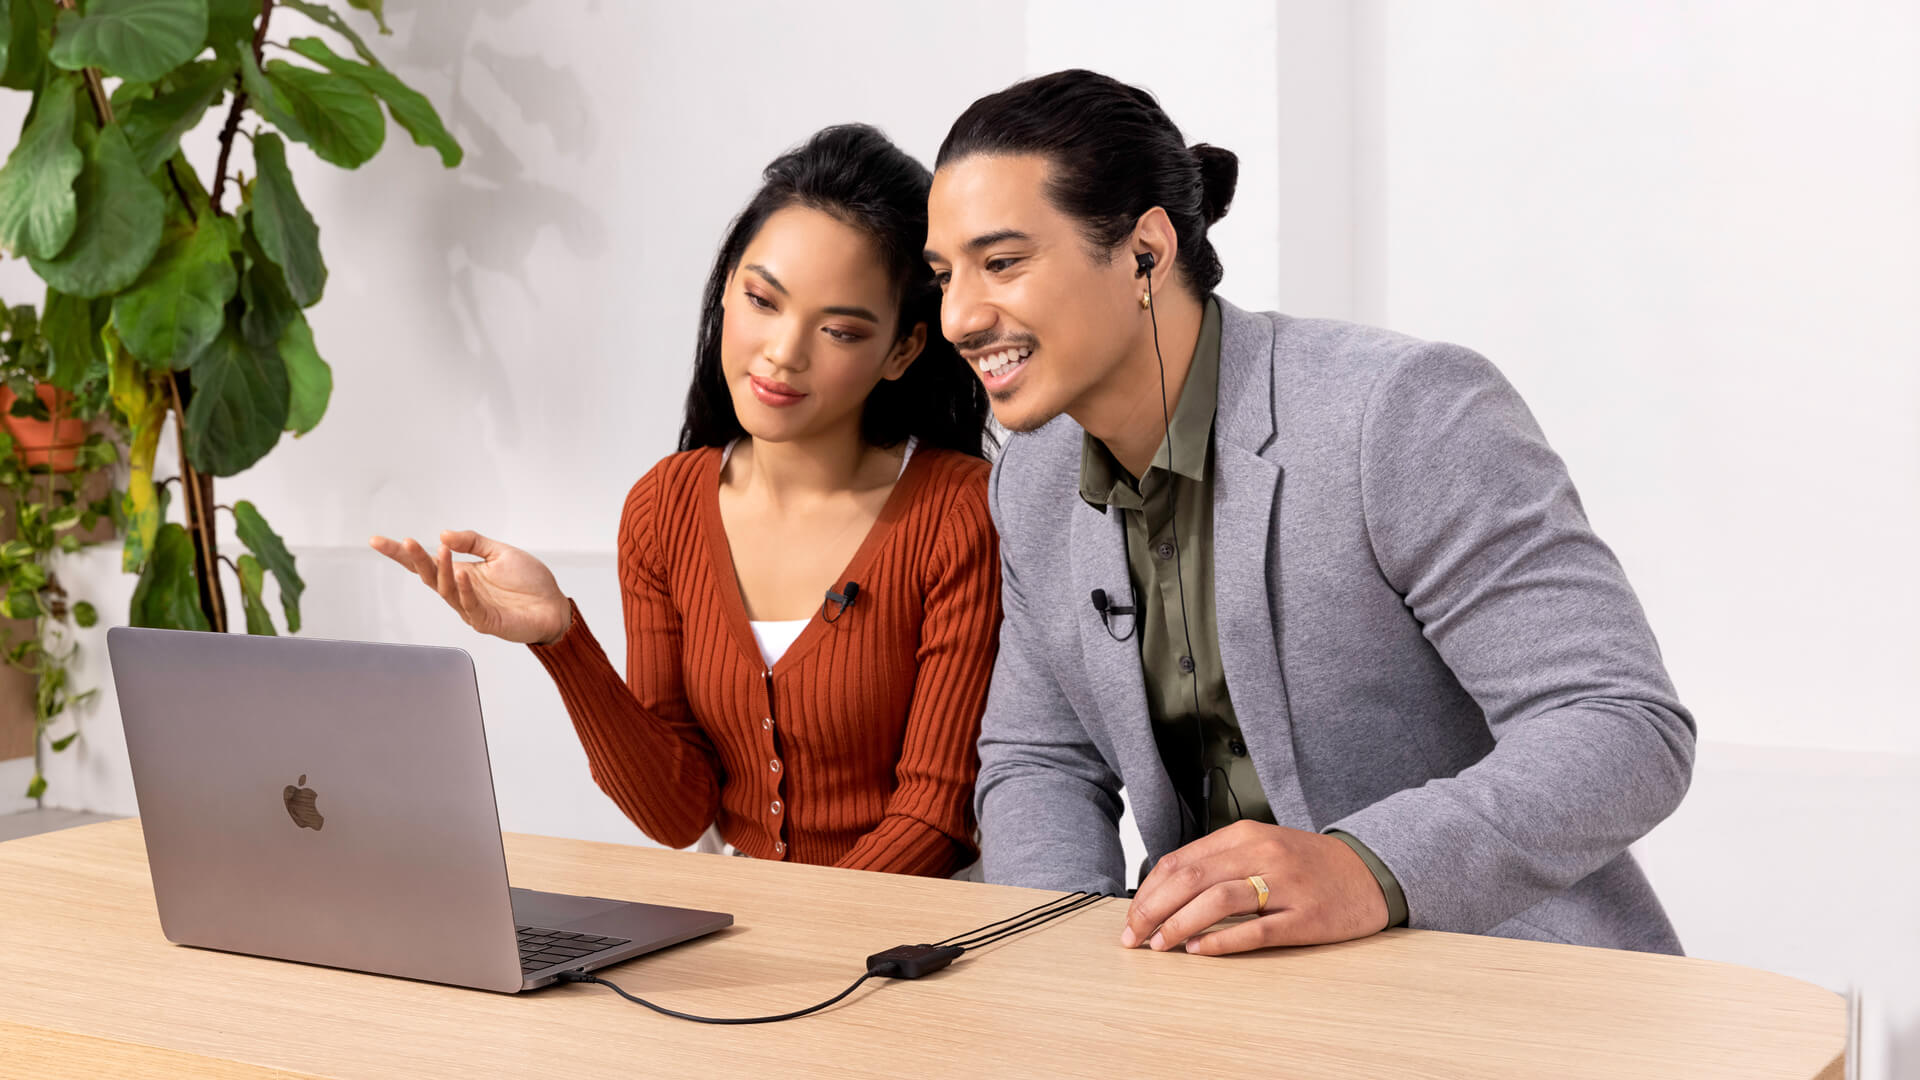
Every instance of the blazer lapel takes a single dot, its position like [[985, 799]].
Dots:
[[1097, 552], [1247, 488]]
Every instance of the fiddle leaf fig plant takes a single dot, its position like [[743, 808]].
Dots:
[[194, 298]]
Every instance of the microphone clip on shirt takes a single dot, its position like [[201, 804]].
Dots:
[[840, 602], [1106, 609]]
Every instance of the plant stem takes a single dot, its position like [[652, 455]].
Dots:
[[181, 191], [232, 126], [199, 491], [96, 89]]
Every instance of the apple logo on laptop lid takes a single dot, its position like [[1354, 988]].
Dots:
[[300, 805]]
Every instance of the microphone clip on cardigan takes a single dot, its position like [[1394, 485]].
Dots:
[[840, 602]]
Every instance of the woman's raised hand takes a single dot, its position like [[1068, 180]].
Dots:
[[508, 593]]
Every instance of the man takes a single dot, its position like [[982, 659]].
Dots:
[[1355, 652]]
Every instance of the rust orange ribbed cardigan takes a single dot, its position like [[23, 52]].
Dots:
[[857, 748]]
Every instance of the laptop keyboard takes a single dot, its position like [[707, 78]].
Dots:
[[542, 948]]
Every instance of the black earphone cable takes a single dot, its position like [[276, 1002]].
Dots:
[[1180, 577], [976, 931], [1075, 902]]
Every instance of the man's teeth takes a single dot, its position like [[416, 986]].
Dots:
[[1004, 360]]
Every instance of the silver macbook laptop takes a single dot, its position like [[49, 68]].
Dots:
[[331, 802]]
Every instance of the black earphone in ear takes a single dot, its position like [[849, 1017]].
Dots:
[[1144, 261]]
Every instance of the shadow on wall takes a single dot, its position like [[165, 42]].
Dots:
[[486, 215]]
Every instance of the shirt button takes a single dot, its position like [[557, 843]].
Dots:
[[775, 808], [779, 847], [1239, 748], [774, 764], [1186, 665], [767, 723], [1164, 551]]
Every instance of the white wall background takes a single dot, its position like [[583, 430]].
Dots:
[[1690, 234]]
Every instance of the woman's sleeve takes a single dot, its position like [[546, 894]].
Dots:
[[644, 747], [928, 827]]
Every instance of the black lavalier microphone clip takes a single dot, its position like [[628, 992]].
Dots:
[[1106, 609], [841, 601]]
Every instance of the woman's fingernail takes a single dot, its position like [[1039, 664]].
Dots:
[[1128, 939], [1192, 945], [1158, 943]]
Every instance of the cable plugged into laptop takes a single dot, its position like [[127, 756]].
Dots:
[[899, 962]]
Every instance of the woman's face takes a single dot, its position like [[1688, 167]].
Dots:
[[807, 327]]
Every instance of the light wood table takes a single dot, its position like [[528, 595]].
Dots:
[[88, 987]]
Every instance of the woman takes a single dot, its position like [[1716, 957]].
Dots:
[[811, 586]]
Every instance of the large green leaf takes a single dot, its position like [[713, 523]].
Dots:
[[230, 22], [117, 228], [154, 125], [280, 221], [261, 540], [310, 377], [331, 19], [265, 98], [266, 305], [168, 593], [37, 207], [134, 39], [26, 51], [143, 507], [251, 581], [336, 116], [178, 305], [72, 329], [410, 109], [239, 405]]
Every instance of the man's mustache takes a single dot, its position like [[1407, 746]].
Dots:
[[991, 339]]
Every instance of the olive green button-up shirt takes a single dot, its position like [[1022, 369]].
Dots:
[[1168, 515]]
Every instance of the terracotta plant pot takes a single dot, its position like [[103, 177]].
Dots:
[[54, 442]]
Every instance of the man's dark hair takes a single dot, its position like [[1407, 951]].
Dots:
[[1115, 155]]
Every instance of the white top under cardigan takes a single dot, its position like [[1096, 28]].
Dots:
[[775, 636]]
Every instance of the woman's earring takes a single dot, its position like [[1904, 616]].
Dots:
[[1146, 301]]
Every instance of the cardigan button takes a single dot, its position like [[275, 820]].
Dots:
[[779, 847], [774, 764], [775, 808], [767, 724]]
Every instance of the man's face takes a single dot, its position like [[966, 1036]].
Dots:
[[1040, 317]]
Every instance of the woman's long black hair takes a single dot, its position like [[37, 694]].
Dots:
[[854, 173]]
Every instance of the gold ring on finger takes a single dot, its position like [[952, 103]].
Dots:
[[1259, 892]]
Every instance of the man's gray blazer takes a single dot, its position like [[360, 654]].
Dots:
[[1426, 645]]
